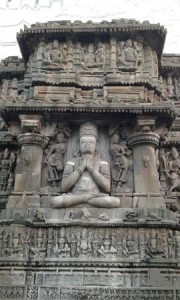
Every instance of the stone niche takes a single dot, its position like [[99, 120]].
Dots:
[[90, 164]]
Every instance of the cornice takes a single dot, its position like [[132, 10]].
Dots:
[[12, 66], [35, 106], [60, 29]]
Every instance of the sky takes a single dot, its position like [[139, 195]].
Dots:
[[14, 14]]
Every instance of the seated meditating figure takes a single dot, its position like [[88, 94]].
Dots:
[[86, 178]]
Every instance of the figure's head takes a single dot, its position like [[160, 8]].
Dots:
[[60, 137], [115, 138], [88, 138], [55, 44], [129, 43], [6, 153], [174, 152]]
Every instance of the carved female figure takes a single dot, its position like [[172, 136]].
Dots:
[[172, 168], [55, 160], [121, 167], [5, 167]]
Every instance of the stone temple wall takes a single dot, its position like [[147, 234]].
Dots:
[[90, 163]]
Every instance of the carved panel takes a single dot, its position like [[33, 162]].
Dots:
[[115, 294], [12, 292], [55, 157], [129, 55], [170, 168], [7, 169], [122, 164], [84, 243]]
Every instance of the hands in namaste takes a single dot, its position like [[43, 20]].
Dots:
[[87, 163]]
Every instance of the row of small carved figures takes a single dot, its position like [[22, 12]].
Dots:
[[12, 292], [62, 55], [87, 243], [50, 293], [116, 294]]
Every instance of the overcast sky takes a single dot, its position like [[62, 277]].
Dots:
[[15, 13]]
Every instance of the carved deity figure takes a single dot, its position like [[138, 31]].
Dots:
[[100, 55], [153, 245], [172, 168], [121, 165], [177, 87], [17, 245], [130, 245], [61, 248], [92, 56], [55, 159], [39, 248], [128, 54], [86, 179], [52, 55], [5, 171], [171, 244]]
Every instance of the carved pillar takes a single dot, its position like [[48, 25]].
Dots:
[[29, 177], [146, 178], [29, 164]]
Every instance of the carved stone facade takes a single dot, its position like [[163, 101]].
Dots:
[[90, 164]]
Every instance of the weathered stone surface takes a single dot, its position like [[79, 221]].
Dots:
[[89, 164]]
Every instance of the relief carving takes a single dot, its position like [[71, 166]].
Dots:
[[116, 294], [77, 242], [121, 164], [12, 292], [92, 56], [54, 55], [86, 178], [87, 218], [171, 167], [55, 157], [7, 165], [129, 55], [9, 90]]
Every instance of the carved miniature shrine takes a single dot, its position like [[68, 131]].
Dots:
[[90, 164]]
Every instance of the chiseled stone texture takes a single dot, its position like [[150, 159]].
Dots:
[[89, 161]]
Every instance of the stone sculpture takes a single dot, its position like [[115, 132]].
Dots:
[[87, 176], [121, 163], [171, 164], [6, 168], [128, 55], [55, 159], [90, 207]]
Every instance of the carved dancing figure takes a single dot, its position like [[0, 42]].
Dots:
[[55, 160], [5, 168], [121, 166], [86, 179], [100, 55], [172, 169]]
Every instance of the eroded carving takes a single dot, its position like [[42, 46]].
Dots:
[[54, 159], [121, 157], [129, 55], [171, 168], [87, 177], [7, 165]]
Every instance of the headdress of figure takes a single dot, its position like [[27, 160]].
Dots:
[[174, 152], [88, 129], [6, 152]]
